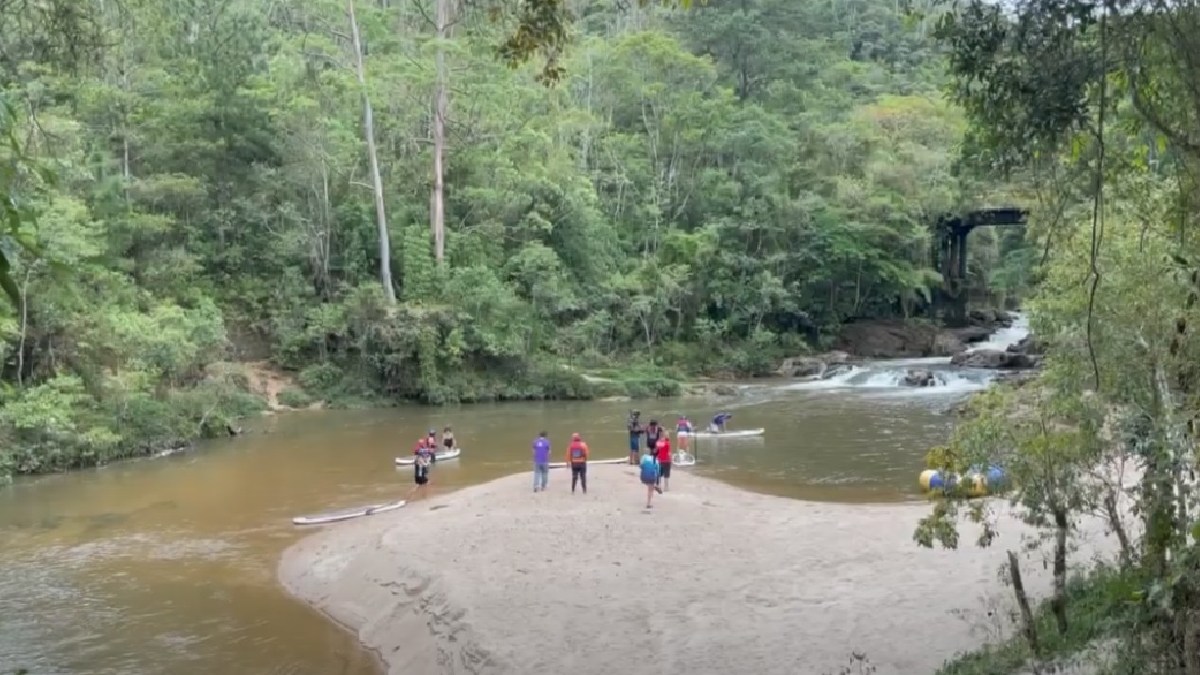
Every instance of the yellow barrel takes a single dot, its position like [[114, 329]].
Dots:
[[977, 485], [926, 476]]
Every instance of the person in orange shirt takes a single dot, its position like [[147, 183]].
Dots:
[[577, 457], [663, 454]]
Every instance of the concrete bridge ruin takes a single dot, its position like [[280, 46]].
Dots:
[[950, 255]]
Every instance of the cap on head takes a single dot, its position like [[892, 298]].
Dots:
[[432, 432]]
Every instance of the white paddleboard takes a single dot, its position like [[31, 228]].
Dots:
[[683, 459], [347, 514], [615, 460], [736, 433], [441, 457]]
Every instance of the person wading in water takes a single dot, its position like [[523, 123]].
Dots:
[[577, 457], [425, 456]]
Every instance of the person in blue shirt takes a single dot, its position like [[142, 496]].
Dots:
[[718, 422], [541, 462], [649, 476]]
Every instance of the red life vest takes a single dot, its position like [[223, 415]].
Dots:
[[577, 452]]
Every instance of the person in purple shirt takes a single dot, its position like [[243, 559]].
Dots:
[[541, 462]]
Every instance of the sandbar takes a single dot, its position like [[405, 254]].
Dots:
[[715, 580]]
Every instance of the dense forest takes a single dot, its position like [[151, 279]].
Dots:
[[382, 199], [1100, 102]]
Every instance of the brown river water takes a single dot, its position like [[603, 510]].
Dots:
[[167, 566]]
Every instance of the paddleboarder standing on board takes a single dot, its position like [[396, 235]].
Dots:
[[541, 462], [577, 457], [683, 429], [635, 435], [448, 438]]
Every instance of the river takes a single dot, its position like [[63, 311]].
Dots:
[[167, 566]]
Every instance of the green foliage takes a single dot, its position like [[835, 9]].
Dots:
[[688, 197]]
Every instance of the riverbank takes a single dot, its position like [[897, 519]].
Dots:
[[714, 580]]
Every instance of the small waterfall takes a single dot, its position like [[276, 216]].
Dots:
[[891, 373], [1001, 339]]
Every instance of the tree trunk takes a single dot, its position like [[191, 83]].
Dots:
[[437, 207], [385, 245], [1029, 627], [1059, 602], [1118, 527]]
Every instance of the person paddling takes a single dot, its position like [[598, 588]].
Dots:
[[541, 462], [683, 429], [635, 435], [663, 455], [424, 457], [718, 422], [649, 476], [577, 457]]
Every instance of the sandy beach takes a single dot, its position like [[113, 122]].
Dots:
[[713, 580]]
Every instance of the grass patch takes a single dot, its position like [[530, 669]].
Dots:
[[1095, 604]]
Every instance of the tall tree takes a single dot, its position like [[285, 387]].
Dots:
[[385, 245]]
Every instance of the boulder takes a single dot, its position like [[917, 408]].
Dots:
[[812, 366], [888, 339], [1028, 345], [995, 359], [919, 378]]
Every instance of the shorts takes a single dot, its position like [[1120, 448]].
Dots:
[[635, 443], [649, 482], [448, 442], [421, 475], [664, 469]]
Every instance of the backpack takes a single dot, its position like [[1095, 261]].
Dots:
[[649, 468]]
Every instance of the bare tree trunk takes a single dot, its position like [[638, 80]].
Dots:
[[1118, 527], [1059, 602], [437, 206], [385, 245], [1030, 628]]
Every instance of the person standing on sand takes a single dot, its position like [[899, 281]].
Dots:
[[541, 462], [577, 457], [663, 452], [649, 476], [635, 435], [654, 431]]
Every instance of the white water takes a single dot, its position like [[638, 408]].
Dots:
[[1001, 339], [888, 374]]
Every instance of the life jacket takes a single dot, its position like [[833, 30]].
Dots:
[[578, 453], [649, 468], [653, 434]]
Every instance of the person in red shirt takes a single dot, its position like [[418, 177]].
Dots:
[[662, 451], [577, 457]]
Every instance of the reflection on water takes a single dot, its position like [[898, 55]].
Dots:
[[167, 566]]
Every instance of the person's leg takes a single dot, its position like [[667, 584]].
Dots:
[[649, 493], [583, 478], [574, 477], [537, 476], [545, 476]]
